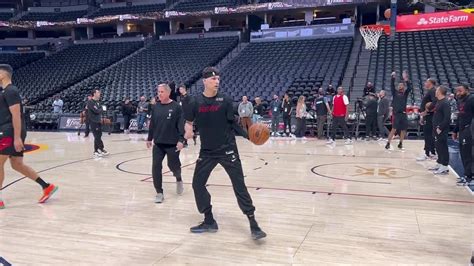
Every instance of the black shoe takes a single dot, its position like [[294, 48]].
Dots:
[[387, 147], [205, 228], [461, 182], [400, 146], [257, 233]]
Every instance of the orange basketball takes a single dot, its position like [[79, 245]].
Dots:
[[387, 13], [259, 134]]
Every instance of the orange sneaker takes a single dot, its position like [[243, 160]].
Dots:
[[2, 205], [47, 193]]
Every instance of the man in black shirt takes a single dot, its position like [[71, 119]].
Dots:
[[399, 104], [127, 111], [322, 108], [428, 104], [463, 131], [13, 135], [94, 114], [371, 117], [86, 119], [369, 88], [286, 114], [441, 122], [214, 114], [383, 112], [167, 133]]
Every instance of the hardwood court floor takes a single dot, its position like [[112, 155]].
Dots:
[[318, 204]]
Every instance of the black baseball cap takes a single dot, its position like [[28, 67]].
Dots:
[[210, 72]]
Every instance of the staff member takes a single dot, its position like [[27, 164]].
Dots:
[[127, 111], [383, 112], [214, 113], [340, 113], [441, 122], [94, 114], [167, 134], [275, 107], [286, 113], [428, 104], [371, 117], [462, 131], [321, 105], [245, 110]]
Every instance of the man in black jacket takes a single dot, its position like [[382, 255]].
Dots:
[[167, 134], [94, 114], [371, 117], [463, 131], [127, 111], [399, 104], [383, 112], [428, 104], [441, 122], [369, 88]]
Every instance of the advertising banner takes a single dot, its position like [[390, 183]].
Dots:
[[435, 21]]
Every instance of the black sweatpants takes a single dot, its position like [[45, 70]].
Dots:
[[233, 166], [126, 122], [441, 144], [371, 126], [88, 127], [465, 148], [96, 129], [287, 124], [174, 164], [339, 121], [300, 127], [428, 135]]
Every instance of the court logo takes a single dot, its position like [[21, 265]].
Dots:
[[388, 172]]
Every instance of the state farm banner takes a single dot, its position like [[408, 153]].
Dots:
[[434, 21]]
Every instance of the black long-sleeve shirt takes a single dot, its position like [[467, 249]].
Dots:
[[167, 124], [466, 112], [430, 97], [399, 102], [94, 111], [371, 107], [368, 90], [128, 109], [442, 115]]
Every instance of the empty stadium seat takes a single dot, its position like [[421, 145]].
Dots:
[[134, 9], [17, 60]]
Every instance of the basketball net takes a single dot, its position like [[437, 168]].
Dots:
[[372, 33]]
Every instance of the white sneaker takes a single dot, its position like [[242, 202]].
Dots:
[[330, 141], [159, 198], [97, 155], [422, 158], [435, 168], [179, 187], [104, 153], [348, 142], [442, 170]]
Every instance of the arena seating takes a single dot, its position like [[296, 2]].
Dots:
[[17, 60], [297, 67], [180, 61], [41, 79], [54, 16], [205, 5], [446, 55], [4, 16], [136, 9]]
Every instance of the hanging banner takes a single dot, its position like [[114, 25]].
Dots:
[[434, 21]]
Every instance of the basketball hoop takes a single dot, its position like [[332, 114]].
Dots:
[[372, 33]]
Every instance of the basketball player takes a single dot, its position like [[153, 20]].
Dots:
[[13, 135], [340, 113], [399, 105], [441, 122], [94, 114], [213, 112], [428, 104], [463, 131], [167, 133]]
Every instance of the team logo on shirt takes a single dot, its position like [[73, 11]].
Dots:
[[169, 113], [219, 99]]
